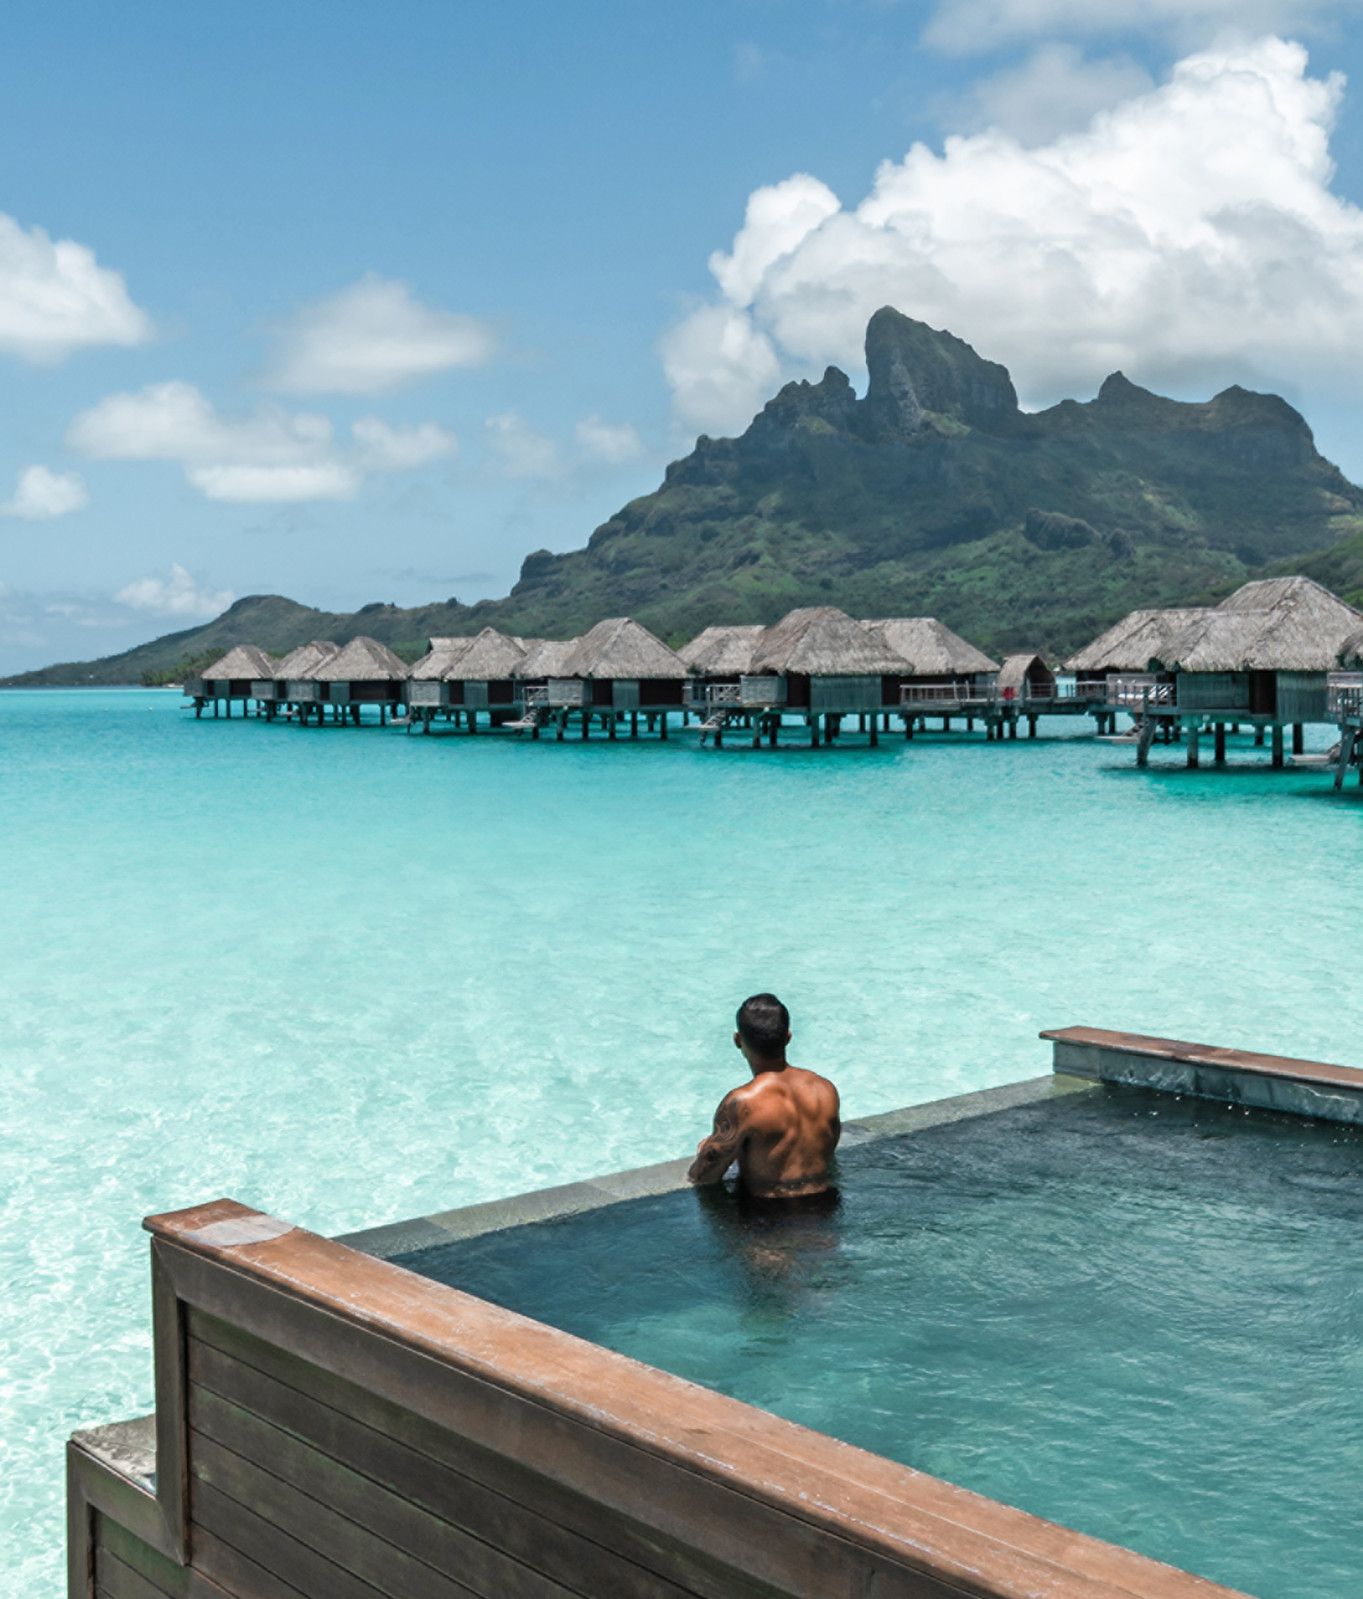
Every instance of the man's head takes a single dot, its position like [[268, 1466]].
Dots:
[[763, 1029]]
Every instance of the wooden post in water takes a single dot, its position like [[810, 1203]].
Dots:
[[1298, 738], [1277, 758], [1259, 735], [1220, 744], [1194, 744], [1031, 724]]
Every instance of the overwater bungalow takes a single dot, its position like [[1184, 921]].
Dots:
[[428, 691], [1346, 705], [362, 673], [294, 684], [1264, 656], [716, 660], [1124, 651], [622, 670], [945, 666], [237, 675], [1025, 678], [817, 661], [481, 677]]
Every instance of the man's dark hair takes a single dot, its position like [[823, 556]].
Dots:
[[763, 1024]]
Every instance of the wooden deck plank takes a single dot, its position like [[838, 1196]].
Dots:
[[363, 1500], [521, 1526], [312, 1519], [233, 1528], [114, 1580], [113, 1541]]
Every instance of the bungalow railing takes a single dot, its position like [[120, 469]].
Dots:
[[945, 694], [717, 694], [1344, 694], [1139, 691], [535, 694]]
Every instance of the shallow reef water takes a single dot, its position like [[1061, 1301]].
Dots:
[[349, 975]]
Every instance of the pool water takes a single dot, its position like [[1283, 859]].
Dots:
[[347, 975], [1136, 1315]]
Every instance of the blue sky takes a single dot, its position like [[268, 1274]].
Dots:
[[367, 302]]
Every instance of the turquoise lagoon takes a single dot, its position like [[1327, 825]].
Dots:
[[349, 975]]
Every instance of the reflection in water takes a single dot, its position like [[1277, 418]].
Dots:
[[785, 1250]]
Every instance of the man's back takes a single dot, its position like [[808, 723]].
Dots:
[[790, 1125]]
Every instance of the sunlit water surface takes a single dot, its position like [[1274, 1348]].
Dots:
[[349, 975]]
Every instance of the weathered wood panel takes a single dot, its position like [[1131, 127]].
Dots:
[[123, 1559], [508, 1510], [231, 1448], [279, 1566]]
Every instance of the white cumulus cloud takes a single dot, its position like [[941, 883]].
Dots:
[[611, 442], [721, 366], [272, 455], [55, 298], [1053, 91], [1190, 233], [385, 448], [965, 26], [519, 449], [372, 337], [42, 494], [176, 594]]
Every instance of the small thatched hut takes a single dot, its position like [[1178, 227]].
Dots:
[[1127, 648], [817, 659], [623, 667], [244, 673], [1025, 678], [1267, 651], [295, 673], [363, 672], [232, 674], [482, 677], [942, 665], [716, 660], [426, 685], [540, 677]]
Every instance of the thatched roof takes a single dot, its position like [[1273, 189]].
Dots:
[[621, 648], [302, 661], [1131, 644], [363, 660], [822, 641], [721, 649], [1270, 592], [1351, 655], [490, 656], [544, 657], [1297, 626], [441, 654], [241, 661], [932, 648], [1013, 672]]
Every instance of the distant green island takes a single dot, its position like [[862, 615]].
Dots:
[[934, 494]]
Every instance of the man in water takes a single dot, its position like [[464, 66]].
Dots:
[[782, 1127]]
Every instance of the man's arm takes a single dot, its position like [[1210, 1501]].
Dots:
[[716, 1153]]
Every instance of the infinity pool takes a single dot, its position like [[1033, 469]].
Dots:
[[1135, 1315]]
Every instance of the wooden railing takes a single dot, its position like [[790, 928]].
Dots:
[[1139, 691], [1344, 696]]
